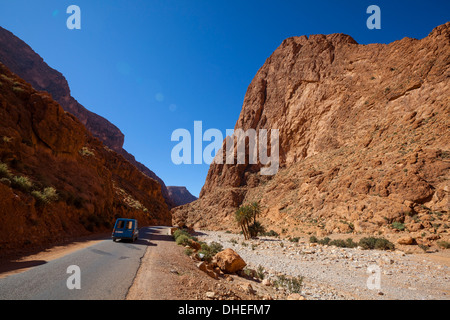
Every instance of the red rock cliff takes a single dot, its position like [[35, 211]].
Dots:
[[18, 57], [56, 179], [364, 139]]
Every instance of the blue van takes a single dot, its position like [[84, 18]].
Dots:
[[125, 229]]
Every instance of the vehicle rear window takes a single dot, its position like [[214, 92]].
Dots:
[[129, 224], [120, 224]]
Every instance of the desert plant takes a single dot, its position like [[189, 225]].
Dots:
[[256, 229], [371, 243], [209, 251], [398, 226], [86, 152], [180, 232], [22, 183], [243, 216], [260, 272], [183, 240], [4, 171], [45, 197], [271, 233], [324, 241], [444, 244], [292, 284]]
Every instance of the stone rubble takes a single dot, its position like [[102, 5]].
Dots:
[[332, 273]]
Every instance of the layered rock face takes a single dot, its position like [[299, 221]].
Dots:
[[364, 140], [18, 57], [180, 195], [56, 179]]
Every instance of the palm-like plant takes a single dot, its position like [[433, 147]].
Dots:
[[244, 216]]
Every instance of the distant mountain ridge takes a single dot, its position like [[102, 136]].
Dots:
[[20, 58], [180, 195]]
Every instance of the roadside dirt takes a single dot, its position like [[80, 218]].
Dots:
[[166, 273]]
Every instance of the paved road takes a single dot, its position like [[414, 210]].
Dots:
[[107, 271]]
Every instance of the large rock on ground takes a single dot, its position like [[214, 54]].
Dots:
[[229, 261]]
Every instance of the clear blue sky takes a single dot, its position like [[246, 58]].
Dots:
[[151, 67]]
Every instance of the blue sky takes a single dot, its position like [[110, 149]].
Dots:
[[151, 67]]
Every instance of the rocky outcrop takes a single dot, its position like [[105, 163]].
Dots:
[[180, 195], [56, 179], [18, 57], [364, 140]]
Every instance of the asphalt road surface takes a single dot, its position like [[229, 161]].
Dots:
[[106, 272]]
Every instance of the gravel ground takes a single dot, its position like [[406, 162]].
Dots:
[[332, 273]]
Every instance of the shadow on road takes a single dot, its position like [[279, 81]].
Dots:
[[18, 265]]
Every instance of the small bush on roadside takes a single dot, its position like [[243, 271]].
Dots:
[[183, 240], [180, 232], [209, 251]]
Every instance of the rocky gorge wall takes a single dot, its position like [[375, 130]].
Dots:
[[56, 179], [364, 140]]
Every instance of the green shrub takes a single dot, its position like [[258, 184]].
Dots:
[[45, 197], [180, 232], [21, 183], [86, 152], [371, 243], [271, 233], [444, 244], [4, 171], [398, 225], [183, 240], [313, 239], [324, 241], [256, 229], [260, 272], [292, 284], [209, 251], [5, 181], [343, 243]]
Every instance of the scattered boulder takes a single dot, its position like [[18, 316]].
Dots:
[[229, 261], [407, 241]]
